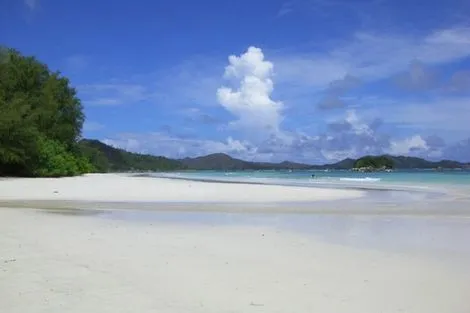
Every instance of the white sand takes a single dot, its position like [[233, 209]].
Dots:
[[54, 263], [121, 188]]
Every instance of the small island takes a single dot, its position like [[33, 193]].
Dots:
[[374, 164]]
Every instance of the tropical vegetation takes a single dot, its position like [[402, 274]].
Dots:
[[40, 120], [106, 158], [374, 162]]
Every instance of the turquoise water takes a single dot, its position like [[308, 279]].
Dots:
[[414, 179]]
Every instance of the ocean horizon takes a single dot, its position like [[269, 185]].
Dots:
[[407, 180]]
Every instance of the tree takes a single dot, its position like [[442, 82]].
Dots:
[[40, 119]]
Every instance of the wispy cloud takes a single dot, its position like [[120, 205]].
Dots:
[[459, 151], [336, 90], [370, 57], [91, 126], [286, 8], [459, 82], [417, 78], [113, 94], [439, 114], [191, 83], [76, 62], [374, 56], [31, 4], [172, 146], [196, 115]]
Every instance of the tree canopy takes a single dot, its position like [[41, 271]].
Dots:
[[40, 120]]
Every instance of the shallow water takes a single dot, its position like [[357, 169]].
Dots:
[[439, 237], [413, 180], [73, 212]]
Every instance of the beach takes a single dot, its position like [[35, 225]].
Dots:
[[127, 191], [74, 259], [126, 188]]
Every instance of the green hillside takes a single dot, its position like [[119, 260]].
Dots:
[[109, 159], [374, 162]]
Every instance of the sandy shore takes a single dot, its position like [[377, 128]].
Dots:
[[56, 263], [115, 191], [121, 188]]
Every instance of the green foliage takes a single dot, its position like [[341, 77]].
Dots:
[[40, 119], [94, 157], [374, 162], [17, 139], [54, 160]]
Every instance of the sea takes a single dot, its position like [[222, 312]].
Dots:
[[427, 190], [396, 180]]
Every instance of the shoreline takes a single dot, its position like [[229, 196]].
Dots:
[[124, 192], [338, 207], [125, 188], [436, 190]]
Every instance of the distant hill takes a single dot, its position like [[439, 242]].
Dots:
[[219, 161], [222, 161], [108, 159], [404, 162], [345, 164]]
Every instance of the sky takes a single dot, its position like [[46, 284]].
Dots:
[[311, 81]]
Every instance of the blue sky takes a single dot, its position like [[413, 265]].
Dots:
[[307, 80]]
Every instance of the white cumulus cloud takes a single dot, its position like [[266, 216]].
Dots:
[[408, 145], [251, 101]]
